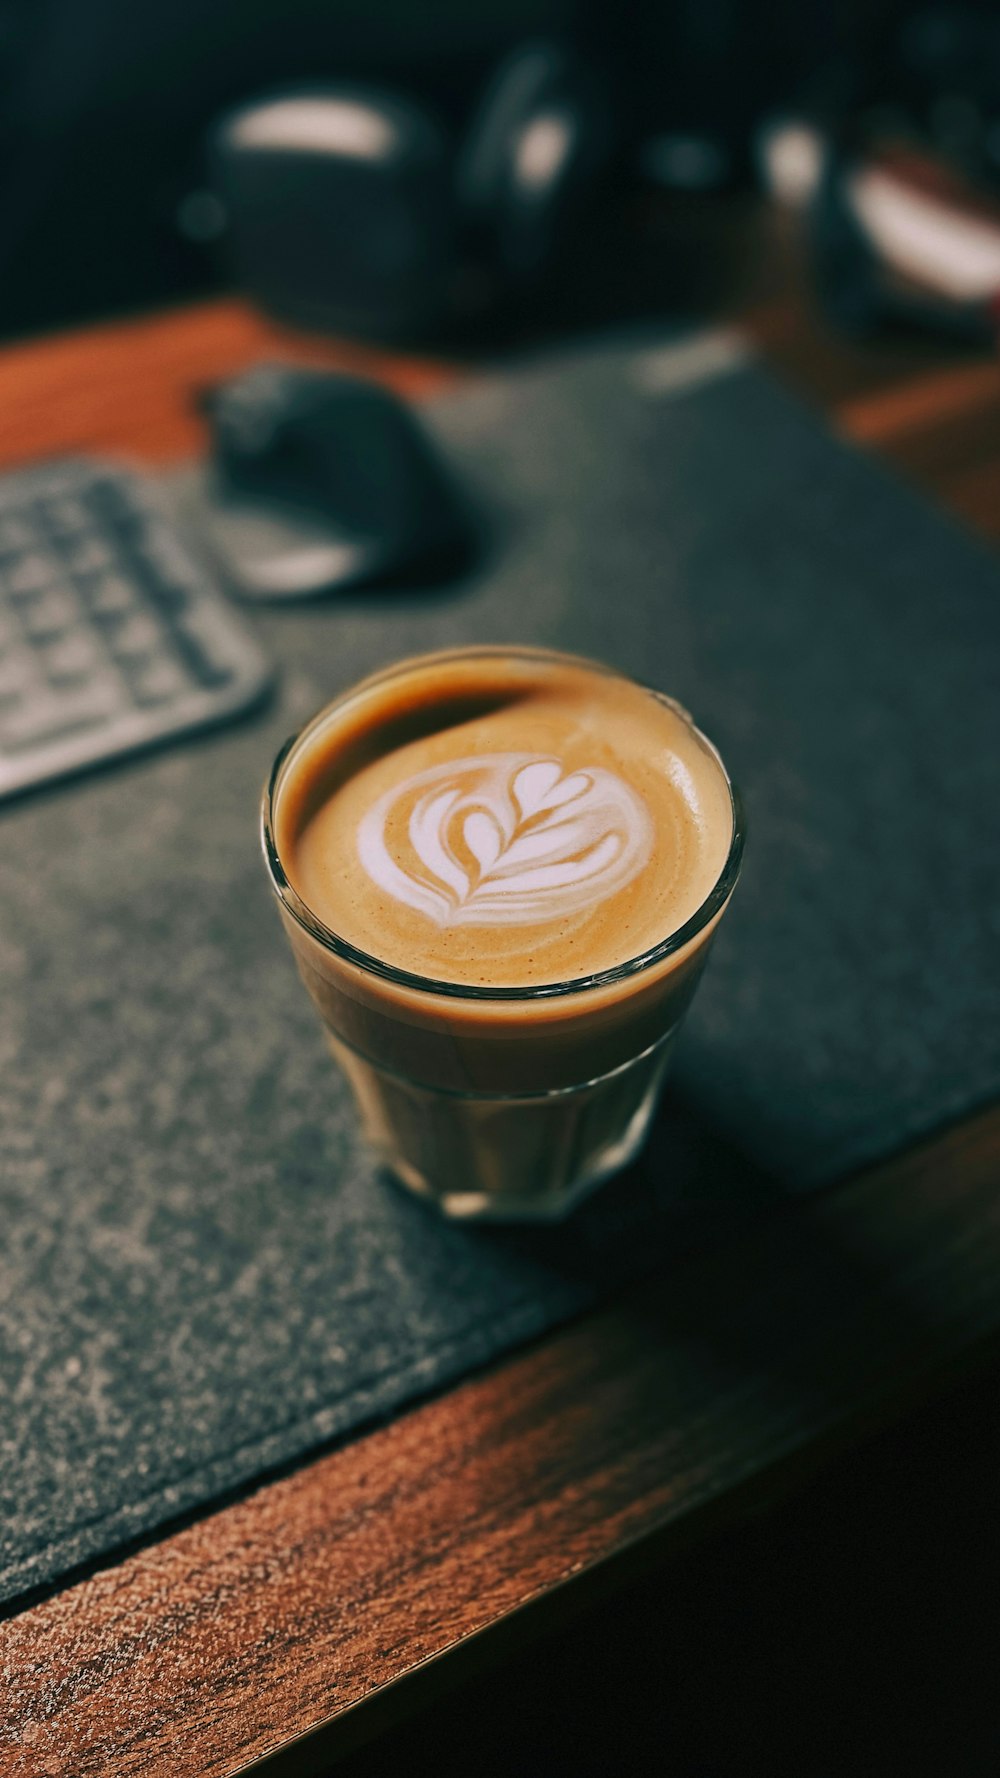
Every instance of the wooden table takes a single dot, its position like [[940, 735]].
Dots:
[[280, 1631]]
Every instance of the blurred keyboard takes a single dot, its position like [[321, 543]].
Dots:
[[111, 637]]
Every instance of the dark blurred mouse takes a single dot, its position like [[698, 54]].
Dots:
[[325, 482]]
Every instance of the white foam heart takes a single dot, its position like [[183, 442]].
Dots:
[[541, 786]]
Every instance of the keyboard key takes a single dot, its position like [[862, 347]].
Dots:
[[157, 681], [18, 673], [91, 555], [137, 634], [15, 536], [166, 559], [205, 627], [47, 613], [111, 596], [65, 517], [30, 573], [30, 721], [74, 655], [113, 498], [46, 715]]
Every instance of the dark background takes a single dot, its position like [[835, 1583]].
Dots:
[[104, 104]]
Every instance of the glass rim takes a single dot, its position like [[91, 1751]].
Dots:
[[366, 961]]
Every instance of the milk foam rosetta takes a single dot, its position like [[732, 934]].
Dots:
[[504, 839], [504, 818]]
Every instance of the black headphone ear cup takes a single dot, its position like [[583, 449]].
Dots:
[[540, 132], [512, 96], [340, 204]]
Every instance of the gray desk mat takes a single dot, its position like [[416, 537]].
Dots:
[[201, 1275]]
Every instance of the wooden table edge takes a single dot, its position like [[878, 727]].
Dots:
[[807, 1452], [315, 1751], [282, 1632]]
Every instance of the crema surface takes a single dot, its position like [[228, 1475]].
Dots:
[[503, 819]]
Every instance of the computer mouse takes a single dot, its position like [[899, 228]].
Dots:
[[325, 481]]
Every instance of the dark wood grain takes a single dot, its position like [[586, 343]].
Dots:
[[704, 1389], [333, 1598]]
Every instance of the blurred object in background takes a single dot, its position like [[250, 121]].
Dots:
[[106, 106], [901, 235], [323, 482], [106, 202], [901, 180], [113, 638], [353, 209]]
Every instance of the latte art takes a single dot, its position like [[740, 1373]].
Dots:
[[503, 819], [505, 839]]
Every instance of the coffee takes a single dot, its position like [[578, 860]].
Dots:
[[500, 871], [505, 820]]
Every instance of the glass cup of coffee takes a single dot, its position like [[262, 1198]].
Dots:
[[500, 870]]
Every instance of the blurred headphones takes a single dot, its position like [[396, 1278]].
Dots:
[[353, 209]]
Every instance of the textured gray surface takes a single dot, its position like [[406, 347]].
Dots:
[[200, 1275]]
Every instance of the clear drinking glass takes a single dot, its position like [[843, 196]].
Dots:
[[499, 1103]]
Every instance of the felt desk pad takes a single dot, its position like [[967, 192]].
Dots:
[[202, 1276]]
